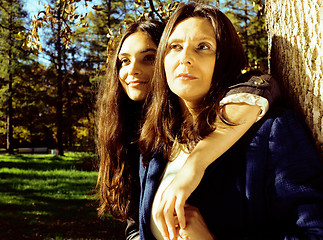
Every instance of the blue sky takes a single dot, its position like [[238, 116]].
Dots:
[[34, 6]]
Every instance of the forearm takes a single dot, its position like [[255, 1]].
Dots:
[[224, 136]]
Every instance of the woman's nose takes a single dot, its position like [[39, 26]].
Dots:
[[186, 57], [134, 68]]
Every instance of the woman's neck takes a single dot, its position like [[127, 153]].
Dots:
[[189, 109]]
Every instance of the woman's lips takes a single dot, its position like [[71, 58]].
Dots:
[[136, 83], [186, 76]]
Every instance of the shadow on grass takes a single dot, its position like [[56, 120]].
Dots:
[[74, 224], [47, 198], [37, 162]]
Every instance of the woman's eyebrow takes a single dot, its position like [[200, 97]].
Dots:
[[148, 50], [142, 51], [199, 38]]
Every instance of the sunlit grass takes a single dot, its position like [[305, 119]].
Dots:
[[50, 197]]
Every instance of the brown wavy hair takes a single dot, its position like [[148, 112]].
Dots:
[[117, 124], [164, 119]]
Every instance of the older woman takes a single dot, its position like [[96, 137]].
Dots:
[[269, 185]]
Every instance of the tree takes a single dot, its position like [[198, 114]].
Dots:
[[11, 57], [296, 57], [58, 16], [73, 51], [93, 38], [34, 111], [249, 19]]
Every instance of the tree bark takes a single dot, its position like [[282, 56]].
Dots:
[[59, 104], [295, 30], [10, 146], [10, 91]]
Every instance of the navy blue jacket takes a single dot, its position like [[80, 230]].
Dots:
[[269, 185]]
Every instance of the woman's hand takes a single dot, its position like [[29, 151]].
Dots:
[[174, 198], [196, 228]]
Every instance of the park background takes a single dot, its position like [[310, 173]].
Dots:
[[53, 55]]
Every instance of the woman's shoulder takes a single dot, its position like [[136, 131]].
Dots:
[[281, 120], [285, 132], [285, 118]]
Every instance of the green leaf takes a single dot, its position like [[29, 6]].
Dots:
[[19, 36]]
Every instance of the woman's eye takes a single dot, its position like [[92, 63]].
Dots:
[[203, 46], [150, 58], [175, 46], [124, 61]]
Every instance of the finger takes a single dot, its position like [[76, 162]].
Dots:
[[169, 218], [180, 212], [160, 221]]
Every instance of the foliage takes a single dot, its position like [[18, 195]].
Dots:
[[48, 197], [49, 17], [33, 102], [248, 17], [12, 59], [65, 77], [12, 21]]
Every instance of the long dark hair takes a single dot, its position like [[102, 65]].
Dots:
[[164, 119], [116, 133]]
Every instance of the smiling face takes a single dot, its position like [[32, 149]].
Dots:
[[137, 58], [190, 59]]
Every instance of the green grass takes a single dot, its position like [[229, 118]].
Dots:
[[51, 197]]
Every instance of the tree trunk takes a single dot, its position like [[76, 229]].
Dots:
[[295, 29], [9, 113], [9, 106], [59, 104], [246, 37]]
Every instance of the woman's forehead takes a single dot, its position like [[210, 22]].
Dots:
[[197, 27], [137, 42]]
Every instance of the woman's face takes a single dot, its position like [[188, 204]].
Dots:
[[137, 58], [190, 59]]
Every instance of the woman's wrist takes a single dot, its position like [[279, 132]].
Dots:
[[195, 165]]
